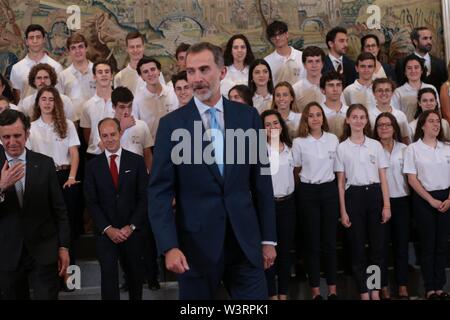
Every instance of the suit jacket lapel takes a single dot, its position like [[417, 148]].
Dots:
[[123, 168], [32, 171], [194, 115], [230, 123]]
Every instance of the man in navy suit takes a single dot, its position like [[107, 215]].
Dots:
[[224, 225], [336, 60], [436, 73], [115, 191]]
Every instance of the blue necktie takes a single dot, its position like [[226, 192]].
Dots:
[[217, 139]]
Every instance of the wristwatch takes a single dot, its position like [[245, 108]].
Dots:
[[133, 227]]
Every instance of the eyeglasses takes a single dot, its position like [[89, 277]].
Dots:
[[384, 125]]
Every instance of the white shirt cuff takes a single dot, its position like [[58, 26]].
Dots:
[[270, 242]]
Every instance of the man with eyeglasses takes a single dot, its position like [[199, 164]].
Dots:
[[285, 62]]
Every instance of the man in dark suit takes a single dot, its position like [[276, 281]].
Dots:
[[115, 191], [224, 225], [336, 60], [436, 69], [34, 228]]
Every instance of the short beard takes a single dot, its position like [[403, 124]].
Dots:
[[205, 96]]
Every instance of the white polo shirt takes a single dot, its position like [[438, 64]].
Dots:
[[150, 107], [335, 119], [283, 174], [94, 110], [316, 157], [137, 138], [405, 99], [26, 106], [77, 86], [445, 127], [399, 116], [397, 181], [45, 140], [289, 69], [293, 122], [232, 78], [262, 103], [358, 93], [129, 77], [20, 71], [306, 92], [431, 165], [360, 162]]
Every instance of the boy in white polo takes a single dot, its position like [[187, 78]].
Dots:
[[137, 137], [360, 92], [157, 99], [35, 39], [331, 84]]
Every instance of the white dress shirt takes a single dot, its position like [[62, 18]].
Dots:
[[358, 93], [291, 66], [137, 138], [117, 160]]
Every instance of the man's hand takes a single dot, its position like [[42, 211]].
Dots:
[[10, 176], [269, 255], [101, 146], [116, 235], [127, 122], [127, 231], [176, 261], [63, 261]]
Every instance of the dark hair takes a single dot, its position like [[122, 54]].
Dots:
[[228, 56], [284, 135], [42, 66], [303, 128], [35, 27], [397, 136], [134, 35], [182, 75], [419, 96], [363, 56], [101, 62], [347, 130], [313, 51], [276, 27], [421, 121], [121, 94], [251, 83], [331, 35], [59, 118], [7, 91], [215, 50], [182, 47], [76, 38], [369, 36], [415, 34], [10, 116], [115, 120], [145, 60], [379, 81], [3, 98], [244, 92], [330, 76], [414, 57]]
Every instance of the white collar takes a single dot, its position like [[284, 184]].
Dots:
[[427, 56], [334, 59], [118, 153], [42, 124], [364, 144], [360, 86], [310, 138], [74, 70], [202, 108], [22, 157], [31, 61]]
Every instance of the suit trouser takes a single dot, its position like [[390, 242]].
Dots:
[[71, 199], [364, 206], [286, 216], [397, 231], [433, 227], [320, 203], [42, 279], [242, 279], [130, 255]]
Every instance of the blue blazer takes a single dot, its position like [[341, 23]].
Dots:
[[125, 206], [205, 200]]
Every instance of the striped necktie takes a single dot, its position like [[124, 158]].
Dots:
[[18, 185]]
